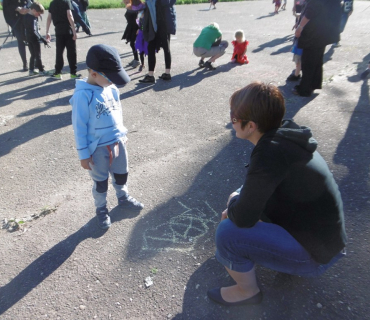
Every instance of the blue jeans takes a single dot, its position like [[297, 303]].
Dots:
[[102, 168], [268, 245]]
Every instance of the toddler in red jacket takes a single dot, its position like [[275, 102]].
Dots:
[[240, 48]]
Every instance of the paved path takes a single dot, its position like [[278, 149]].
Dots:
[[184, 161]]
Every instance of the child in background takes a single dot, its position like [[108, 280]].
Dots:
[[297, 54], [133, 7], [277, 5], [213, 2], [83, 5], [283, 7], [141, 45], [33, 37], [240, 48], [99, 131]]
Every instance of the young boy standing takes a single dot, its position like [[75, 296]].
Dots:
[[30, 22], [99, 131], [60, 12]]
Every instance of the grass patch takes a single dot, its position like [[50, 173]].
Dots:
[[111, 4]]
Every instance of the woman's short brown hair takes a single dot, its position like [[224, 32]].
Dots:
[[261, 103]]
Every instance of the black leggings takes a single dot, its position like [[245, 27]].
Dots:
[[166, 49], [134, 51]]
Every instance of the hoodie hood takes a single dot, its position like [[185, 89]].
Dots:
[[300, 135], [81, 84]]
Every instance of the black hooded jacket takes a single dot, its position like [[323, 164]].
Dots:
[[288, 183]]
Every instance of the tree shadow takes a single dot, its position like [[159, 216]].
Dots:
[[40, 269], [274, 43], [183, 80]]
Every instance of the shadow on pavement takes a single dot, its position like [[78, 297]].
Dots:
[[50, 261], [183, 80], [44, 266], [271, 14], [274, 43]]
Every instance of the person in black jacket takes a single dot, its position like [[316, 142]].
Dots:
[[159, 24], [317, 27], [34, 38], [13, 11], [288, 215]]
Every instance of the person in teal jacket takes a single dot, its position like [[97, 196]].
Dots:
[[209, 44]]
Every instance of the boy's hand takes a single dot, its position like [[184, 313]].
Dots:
[[85, 163], [74, 36], [48, 37]]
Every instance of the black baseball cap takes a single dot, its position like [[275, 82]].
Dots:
[[105, 59]]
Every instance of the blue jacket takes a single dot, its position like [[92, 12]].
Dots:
[[96, 117]]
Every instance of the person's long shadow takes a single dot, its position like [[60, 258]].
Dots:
[[274, 43], [328, 54], [36, 272], [183, 80], [33, 129], [271, 14], [285, 49], [353, 152], [361, 66], [294, 103]]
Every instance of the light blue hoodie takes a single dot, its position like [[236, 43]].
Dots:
[[96, 117]]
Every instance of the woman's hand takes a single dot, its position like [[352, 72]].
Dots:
[[224, 215]]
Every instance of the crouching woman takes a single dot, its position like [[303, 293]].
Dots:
[[288, 215]]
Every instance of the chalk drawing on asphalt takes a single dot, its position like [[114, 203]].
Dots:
[[181, 232]]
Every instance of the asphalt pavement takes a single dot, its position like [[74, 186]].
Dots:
[[184, 161]]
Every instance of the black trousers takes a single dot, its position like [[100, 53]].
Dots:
[[35, 59], [19, 34], [65, 41], [312, 70], [165, 44]]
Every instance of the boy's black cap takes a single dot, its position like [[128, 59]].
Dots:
[[104, 58]]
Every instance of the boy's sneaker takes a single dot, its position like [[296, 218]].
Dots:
[[365, 74], [130, 203], [103, 218], [165, 76], [148, 79], [210, 65], [76, 76], [44, 73], [293, 77], [25, 68], [57, 76], [32, 73], [141, 68], [201, 63]]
